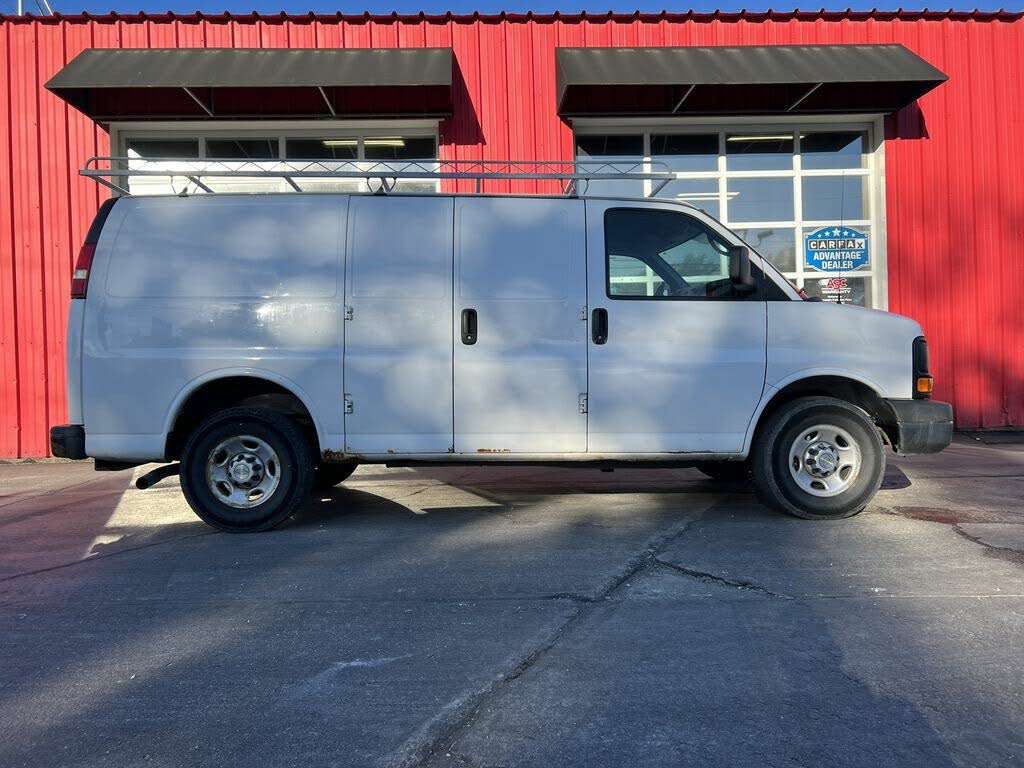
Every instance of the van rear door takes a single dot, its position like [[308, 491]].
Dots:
[[520, 333]]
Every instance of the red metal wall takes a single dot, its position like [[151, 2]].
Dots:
[[955, 193]]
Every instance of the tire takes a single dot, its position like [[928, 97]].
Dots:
[[802, 467], [329, 475], [726, 471], [275, 481]]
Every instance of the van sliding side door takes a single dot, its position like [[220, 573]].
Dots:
[[398, 340]]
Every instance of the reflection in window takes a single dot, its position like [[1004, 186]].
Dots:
[[700, 193], [760, 199], [777, 244], [834, 198], [834, 149], [759, 152]]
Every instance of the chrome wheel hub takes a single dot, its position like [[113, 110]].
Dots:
[[824, 460], [243, 471]]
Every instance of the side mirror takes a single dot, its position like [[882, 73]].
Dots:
[[739, 269]]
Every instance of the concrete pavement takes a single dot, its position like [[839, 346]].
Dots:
[[516, 617]]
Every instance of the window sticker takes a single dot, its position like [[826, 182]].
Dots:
[[836, 249], [835, 289]]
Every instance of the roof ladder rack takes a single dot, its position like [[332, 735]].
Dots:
[[572, 176]]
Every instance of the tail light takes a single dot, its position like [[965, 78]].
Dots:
[[80, 277], [923, 382]]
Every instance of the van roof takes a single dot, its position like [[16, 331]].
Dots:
[[399, 194]]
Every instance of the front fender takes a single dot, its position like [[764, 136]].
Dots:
[[771, 390]]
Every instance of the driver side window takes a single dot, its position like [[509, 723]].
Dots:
[[663, 254]]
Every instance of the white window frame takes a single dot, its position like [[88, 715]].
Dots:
[[873, 127]]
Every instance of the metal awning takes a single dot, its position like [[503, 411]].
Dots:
[[160, 83], [725, 80]]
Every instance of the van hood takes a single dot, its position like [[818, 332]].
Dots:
[[893, 320]]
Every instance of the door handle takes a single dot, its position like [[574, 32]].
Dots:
[[599, 326], [469, 326]]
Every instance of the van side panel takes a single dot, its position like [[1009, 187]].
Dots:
[[187, 288], [398, 344]]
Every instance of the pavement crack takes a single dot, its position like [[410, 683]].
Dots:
[[710, 578], [417, 492], [573, 597], [462, 759], [437, 737]]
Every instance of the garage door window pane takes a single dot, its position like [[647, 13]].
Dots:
[[186, 149], [764, 199], [322, 149], [686, 152], [759, 152], [399, 148], [629, 145], [242, 149], [777, 244], [836, 149], [834, 198]]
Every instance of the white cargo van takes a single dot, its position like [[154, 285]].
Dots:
[[271, 342]]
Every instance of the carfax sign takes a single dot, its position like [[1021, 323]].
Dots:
[[836, 249]]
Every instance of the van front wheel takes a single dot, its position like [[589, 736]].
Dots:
[[246, 469], [818, 458]]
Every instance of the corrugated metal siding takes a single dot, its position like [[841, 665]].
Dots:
[[955, 195]]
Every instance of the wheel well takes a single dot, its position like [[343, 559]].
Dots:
[[230, 392], [852, 391]]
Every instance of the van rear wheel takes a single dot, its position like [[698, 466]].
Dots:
[[818, 458], [246, 469]]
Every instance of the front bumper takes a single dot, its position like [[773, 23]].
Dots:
[[918, 426], [67, 441]]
